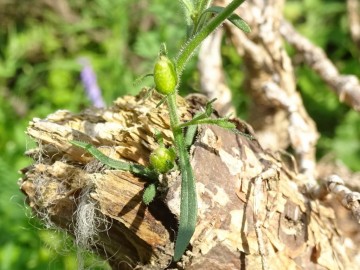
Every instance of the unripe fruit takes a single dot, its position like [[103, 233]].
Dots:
[[149, 194], [162, 159], [165, 76]]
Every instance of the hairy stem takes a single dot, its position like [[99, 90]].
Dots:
[[195, 41]]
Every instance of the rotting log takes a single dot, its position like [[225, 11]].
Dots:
[[67, 185]]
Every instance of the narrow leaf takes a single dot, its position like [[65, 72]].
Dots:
[[206, 114], [159, 138], [161, 102], [188, 208], [188, 6], [149, 194], [239, 23], [113, 163], [202, 4], [190, 135], [140, 79], [163, 49], [233, 18], [221, 122], [148, 93], [209, 107]]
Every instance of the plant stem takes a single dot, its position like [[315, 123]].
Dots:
[[195, 41], [188, 205]]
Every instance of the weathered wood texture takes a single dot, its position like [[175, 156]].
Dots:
[[297, 232]]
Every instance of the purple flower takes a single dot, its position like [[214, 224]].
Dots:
[[88, 79]]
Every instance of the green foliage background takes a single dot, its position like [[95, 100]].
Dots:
[[39, 73]]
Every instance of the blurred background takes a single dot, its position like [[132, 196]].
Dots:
[[41, 42]]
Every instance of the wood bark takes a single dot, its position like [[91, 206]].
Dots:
[[242, 190]]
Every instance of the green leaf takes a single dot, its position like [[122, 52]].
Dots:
[[202, 5], [140, 79], [188, 206], [190, 135], [149, 194], [161, 102], [239, 23], [116, 164], [199, 116], [233, 18], [188, 5], [159, 138], [209, 108], [221, 122], [163, 50]]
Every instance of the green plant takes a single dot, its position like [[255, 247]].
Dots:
[[167, 77], [121, 39], [149, 193]]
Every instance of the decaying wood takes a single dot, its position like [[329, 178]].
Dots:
[[277, 112], [246, 196], [348, 198], [212, 78]]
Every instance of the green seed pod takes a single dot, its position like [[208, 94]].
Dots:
[[149, 194], [165, 76], [162, 159]]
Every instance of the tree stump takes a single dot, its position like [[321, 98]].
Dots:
[[253, 210]]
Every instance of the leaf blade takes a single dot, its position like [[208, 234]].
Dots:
[[113, 163], [233, 18]]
